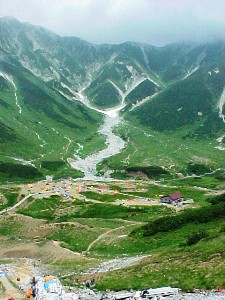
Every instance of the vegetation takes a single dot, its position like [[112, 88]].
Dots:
[[195, 237], [102, 96], [104, 197], [15, 171], [52, 165], [173, 135], [198, 169], [169, 151], [143, 90], [220, 199], [177, 106], [150, 171], [43, 208], [200, 215]]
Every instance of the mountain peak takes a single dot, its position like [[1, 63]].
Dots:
[[9, 19]]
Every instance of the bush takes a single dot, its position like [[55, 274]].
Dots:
[[217, 199], [200, 215], [150, 171], [52, 165], [198, 169], [195, 237], [11, 170]]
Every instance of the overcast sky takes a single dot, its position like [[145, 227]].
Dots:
[[156, 22]]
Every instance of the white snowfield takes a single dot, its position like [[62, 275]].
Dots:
[[9, 78], [190, 72], [221, 105]]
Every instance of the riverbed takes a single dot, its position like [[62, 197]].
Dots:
[[114, 145]]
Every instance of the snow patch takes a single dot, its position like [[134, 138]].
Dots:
[[80, 148], [55, 130], [9, 78], [145, 57], [220, 148], [153, 81], [220, 139], [138, 103], [40, 139], [68, 88], [190, 72], [23, 161], [221, 104]]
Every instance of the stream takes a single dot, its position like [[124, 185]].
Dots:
[[114, 144]]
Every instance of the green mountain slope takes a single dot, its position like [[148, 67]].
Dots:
[[37, 124], [47, 82]]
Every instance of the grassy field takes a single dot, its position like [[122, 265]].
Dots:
[[170, 261], [191, 255], [169, 150]]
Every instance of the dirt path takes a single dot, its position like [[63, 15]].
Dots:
[[16, 205], [104, 235], [10, 290], [101, 237]]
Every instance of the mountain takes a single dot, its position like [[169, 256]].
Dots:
[[50, 87], [194, 93]]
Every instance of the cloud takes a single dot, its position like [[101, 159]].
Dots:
[[155, 22]]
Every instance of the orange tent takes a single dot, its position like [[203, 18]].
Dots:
[[29, 292]]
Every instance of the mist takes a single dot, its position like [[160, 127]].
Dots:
[[156, 22]]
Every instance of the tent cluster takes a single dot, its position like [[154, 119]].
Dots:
[[48, 288]]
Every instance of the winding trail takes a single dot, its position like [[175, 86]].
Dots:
[[103, 235], [16, 205]]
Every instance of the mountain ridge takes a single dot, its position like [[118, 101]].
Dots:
[[50, 79]]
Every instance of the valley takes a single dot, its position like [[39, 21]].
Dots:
[[93, 138]]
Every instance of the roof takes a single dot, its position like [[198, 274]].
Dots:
[[176, 196]]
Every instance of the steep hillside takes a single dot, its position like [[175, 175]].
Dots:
[[38, 125], [195, 99], [49, 83]]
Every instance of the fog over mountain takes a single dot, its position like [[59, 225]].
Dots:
[[156, 22], [53, 81]]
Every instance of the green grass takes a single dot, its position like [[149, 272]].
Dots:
[[170, 260], [11, 194], [9, 227], [50, 126], [103, 197], [200, 215], [170, 150], [109, 211], [102, 223], [170, 263], [43, 208], [11, 171], [75, 237], [203, 182]]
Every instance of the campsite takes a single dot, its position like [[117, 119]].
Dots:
[[65, 226]]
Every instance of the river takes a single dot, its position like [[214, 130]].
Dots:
[[114, 144]]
